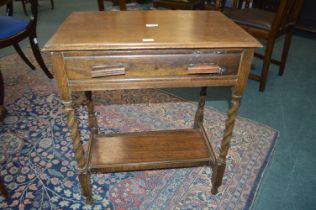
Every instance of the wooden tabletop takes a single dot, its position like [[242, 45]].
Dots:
[[127, 30]]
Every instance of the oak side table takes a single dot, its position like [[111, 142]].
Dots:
[[95, 51]]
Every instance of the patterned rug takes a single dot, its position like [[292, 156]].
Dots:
[[39, 170]]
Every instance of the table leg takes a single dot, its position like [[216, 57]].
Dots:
[[3, 111], [199, 115], [84, 175], [220, 164], [91, 115]]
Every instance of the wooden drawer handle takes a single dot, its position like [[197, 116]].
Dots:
[[107, 70], [205, 68]]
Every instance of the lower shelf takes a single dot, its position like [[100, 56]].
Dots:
[[149, 150]]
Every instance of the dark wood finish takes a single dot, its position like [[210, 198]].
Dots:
[[77, 48], [268, 26], [3, 111], [199, 115], [4, 2], [121, 3], [3, 190], [307, 19], [30, 33], [180, 4], [24, 2], [100, 5], [168, 65]]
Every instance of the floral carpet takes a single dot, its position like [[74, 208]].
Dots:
[[39, 169]]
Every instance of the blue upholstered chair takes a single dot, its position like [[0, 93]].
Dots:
[[13, 30]]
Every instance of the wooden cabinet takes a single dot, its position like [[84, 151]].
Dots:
[[94, 51]]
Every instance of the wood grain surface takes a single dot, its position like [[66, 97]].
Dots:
[[126, 30]]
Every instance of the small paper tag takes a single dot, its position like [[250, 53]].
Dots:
[[151, 25], [148, 40]]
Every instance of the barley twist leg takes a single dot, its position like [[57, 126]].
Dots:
[[220, 164], [91, 115], [199, 115], [84, 176]]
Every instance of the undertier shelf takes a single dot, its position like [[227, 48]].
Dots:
[[149, 150]]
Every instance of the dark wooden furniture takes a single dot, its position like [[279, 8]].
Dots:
[[24, 29], [15, 30], [121, 3], [3, 111], [154, 55], [3, 2], [3, 189], [307, 20], [180, 4], [24, 2], [268, 26]]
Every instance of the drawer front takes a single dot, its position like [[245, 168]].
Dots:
[[148, 63]]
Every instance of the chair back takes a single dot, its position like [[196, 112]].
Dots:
[[9, 6], [287, 14], [34, 9]]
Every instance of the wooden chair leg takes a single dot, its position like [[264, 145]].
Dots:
[[52, 4], [22, 55], [1, 89], [122, 4], [24, 7], [285, 52], [3, 111], [91, 114], [38, 56], [101, 5], [3, 190], [201, 5], [266, 64]]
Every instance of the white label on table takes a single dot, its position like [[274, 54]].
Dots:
[[151, 25], [148, 40]]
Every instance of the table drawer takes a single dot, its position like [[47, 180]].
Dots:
[[149, 63]]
